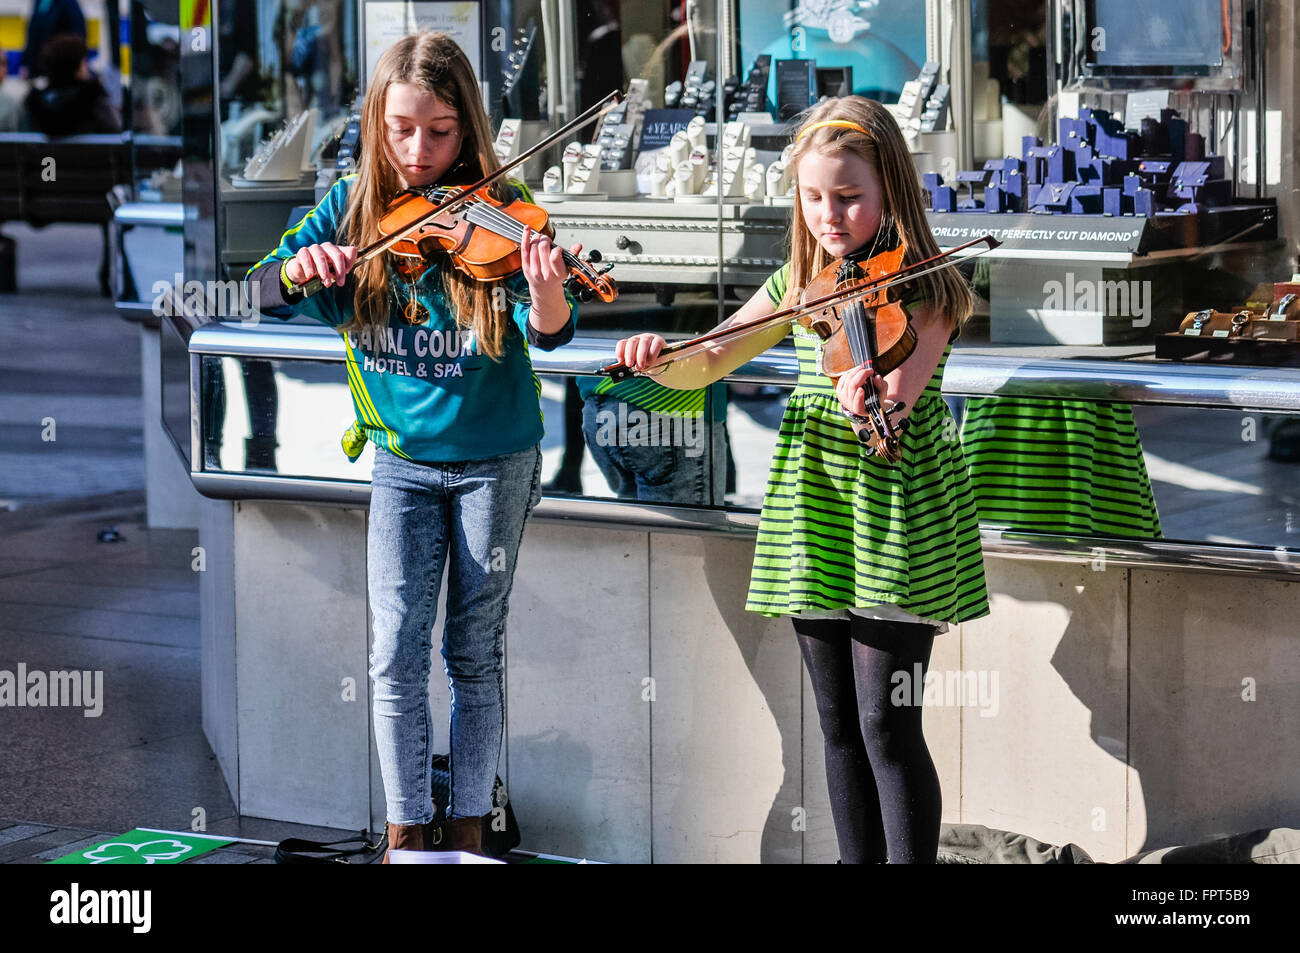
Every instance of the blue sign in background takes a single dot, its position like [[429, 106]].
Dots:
[[658, 126], [883, 58]]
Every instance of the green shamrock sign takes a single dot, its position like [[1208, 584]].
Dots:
[[146, 847]]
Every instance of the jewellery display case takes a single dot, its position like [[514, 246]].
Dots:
[[1074, 296]]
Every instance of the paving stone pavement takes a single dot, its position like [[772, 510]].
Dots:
[[128, 610], [71, 419]]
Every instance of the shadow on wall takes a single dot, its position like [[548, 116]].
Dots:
[[556, 747], [1202, 700], [775, 668]]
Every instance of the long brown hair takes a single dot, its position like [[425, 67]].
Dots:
[[883, 147], [434, 63]]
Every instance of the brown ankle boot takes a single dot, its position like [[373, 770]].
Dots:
[[463, 833], [406, 837]]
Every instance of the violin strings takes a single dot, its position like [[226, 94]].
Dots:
[[853, 331], [509, 228], [859, 339], [479, 212]]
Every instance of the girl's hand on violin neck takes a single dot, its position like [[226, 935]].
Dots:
[[849, 389], [639, 351], [325, 261], [544, 269]]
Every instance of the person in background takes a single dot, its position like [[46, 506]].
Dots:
[[73, 102], [50, 18], [11, 111]]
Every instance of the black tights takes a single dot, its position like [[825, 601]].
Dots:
[[884, 790]]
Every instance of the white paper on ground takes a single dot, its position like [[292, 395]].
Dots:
[[438, 857]]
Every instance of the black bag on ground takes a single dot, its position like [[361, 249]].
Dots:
[[295, 850]]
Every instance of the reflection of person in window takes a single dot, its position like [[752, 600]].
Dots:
[[155, 58], [74, 101], [1063, 467], [50, 18], [308, 36], [241, 80], [656, 444]]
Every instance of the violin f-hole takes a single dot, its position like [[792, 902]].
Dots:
[[821, 327]]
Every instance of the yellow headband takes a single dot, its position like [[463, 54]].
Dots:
[[846, 123]]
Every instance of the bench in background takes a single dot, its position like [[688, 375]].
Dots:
[[72, 180]]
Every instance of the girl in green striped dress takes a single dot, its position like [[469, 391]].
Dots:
[[870, 559]]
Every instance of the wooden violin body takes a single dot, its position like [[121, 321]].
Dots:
[[873, 330], [895, 338], [481, 235], [481, 232], [481, 253]]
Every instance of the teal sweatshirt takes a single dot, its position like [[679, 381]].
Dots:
[[423, 392]]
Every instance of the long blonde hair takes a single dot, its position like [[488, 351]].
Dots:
[[434, 63], [883, 147]]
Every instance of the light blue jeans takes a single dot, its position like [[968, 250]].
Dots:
[[470, 518], [659, 467]]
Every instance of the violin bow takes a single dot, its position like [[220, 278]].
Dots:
[[313, 285], [682, 349]]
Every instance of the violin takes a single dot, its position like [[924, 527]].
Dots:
[[849, 305], [873, 330], [417, 208], [482, 236]]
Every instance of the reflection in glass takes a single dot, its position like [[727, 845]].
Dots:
[[285, 64], [1223, 475], [754, 413], [883, 49], [720, 457], [174, 362], [155, 62], [273, 417], [654, 444], [567, 477], [1061, 467]]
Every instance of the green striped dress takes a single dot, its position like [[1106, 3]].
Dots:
[[1064, 467], [840, 530], [644, 393]]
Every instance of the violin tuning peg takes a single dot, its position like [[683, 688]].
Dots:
[[595, 257]]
